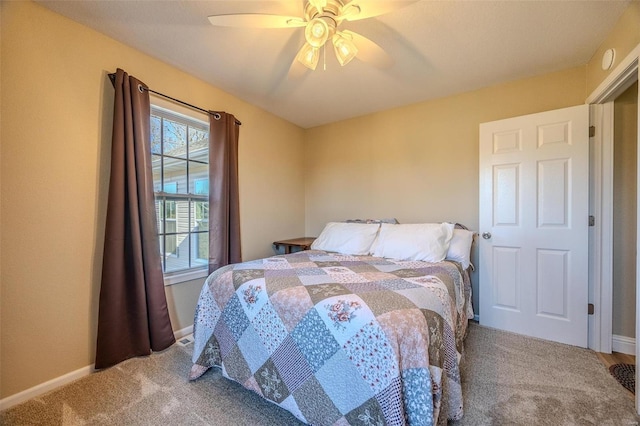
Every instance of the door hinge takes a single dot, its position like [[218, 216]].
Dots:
[[592, 131], [592, 221], [590, 308]]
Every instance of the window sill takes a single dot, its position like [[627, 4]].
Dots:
[[184, 276]]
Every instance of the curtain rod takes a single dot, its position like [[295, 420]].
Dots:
[[112, 77]]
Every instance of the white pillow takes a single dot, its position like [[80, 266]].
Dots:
[[460, 247], [428, 242], [346, 238]]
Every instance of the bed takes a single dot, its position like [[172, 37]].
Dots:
[[358, 330]]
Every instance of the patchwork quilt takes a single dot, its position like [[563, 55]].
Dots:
[[338, 339]]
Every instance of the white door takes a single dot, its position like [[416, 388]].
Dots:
[[534, 191]]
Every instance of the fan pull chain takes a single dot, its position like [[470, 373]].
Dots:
[[324, 57]]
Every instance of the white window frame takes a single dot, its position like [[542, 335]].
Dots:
[[194, 273]]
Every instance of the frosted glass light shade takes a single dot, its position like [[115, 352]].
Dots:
[[316, 32], [344, 48], [308, 56]]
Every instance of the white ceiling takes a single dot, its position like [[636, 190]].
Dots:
[[439, 48]]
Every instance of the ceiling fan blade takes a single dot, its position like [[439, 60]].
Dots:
[[361, 9], [369, 51], [318, 4], [256, 20]]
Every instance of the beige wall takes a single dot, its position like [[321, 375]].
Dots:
[[624, 37], [56, 106], [624, 215], [419, 163]]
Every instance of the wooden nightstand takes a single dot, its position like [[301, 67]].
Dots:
[[302, 243]]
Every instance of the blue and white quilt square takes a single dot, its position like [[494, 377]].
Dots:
[[252, 349], [342, 382], [314, 340]]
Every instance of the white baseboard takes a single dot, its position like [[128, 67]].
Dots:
[[183, 332], [52, 384], [623, 344], [45, 387]]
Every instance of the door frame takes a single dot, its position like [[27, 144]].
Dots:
[[601, 234], [601, 269]]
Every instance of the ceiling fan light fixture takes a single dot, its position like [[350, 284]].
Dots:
[[308, 56], [317, 32], [321, 20], [344, 48]]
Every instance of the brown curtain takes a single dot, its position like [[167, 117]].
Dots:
[[224, 203], [133, 319]]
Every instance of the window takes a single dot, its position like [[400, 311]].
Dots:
[[180, 157]]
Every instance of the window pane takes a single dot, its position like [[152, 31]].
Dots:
[[175, 138], [176, 252], [198, 178], [159, 214], [182, 216], [201, 215], [198, 144], [201, 187], [201, 156], [199, 249], [161, 243], [156, 140], [170, 211], [170, 187], [170, 225], [175, 176], [156, 167]]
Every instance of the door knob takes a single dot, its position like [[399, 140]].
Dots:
[[486, 235]]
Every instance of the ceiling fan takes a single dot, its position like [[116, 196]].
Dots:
[[321, 22]]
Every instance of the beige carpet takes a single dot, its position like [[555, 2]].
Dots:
[[508, 380]]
